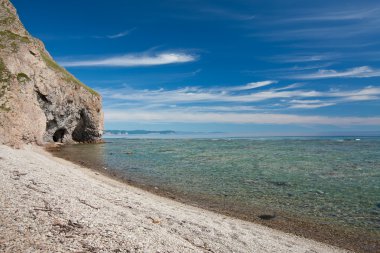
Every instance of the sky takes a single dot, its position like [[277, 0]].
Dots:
[[265, 67]]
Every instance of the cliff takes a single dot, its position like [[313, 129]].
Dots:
[[39, 100]]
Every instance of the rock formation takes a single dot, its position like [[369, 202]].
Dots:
[[39, 100]]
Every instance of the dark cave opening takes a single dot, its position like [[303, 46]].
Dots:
[[80, 133], [59, 135]]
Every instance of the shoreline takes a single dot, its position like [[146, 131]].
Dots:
[[49, 204], [349, 238]]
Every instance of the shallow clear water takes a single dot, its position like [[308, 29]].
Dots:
[[332, 180]]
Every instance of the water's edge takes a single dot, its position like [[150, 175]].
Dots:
[[358, 240]]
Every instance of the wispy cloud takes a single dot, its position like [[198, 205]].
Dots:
[[228, 14], [280, 97], [358, 72], [193, 94], [338, 15], [309, 104], [234, 104], [309, 67], [81, 37], [319, 33], [120, 34], [285, 72], [336, 26], [133, 60], [239, 118], [250, 86], [202, 10], [303, 58]]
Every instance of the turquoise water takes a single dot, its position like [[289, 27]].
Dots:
[[334, 180]]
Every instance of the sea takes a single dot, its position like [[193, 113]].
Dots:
[[332, 181]]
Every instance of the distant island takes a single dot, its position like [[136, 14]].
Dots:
[[126, 132]]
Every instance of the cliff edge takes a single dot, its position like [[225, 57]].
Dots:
[[39, 100]]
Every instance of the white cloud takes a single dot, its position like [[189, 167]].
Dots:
[[239, 118], [133, 60], [250, 86], [301, 58], [121, 34], [290, 86], [335, 27], [337, 97], [361, 98], [195, 94], [228, 94], [309, 104], [229, 105], [358, 72], [218, 108], [309, 67], [338, 15]]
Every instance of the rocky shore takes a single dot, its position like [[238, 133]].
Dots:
[[50, 205]]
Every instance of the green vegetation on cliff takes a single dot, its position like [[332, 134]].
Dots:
[[66, 75], [4, 85], [22, 77], [4, 72], [7, 36], [7, 21]]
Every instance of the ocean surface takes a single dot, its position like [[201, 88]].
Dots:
[[330, 180]]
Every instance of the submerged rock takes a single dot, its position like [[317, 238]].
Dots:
[[39, 100], [249, 181], [267, 216], [319, 192], [280, 183]]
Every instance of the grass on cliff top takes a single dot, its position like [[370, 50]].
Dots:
[[10, 36], [7, 9], [7, 21], [67, 76]]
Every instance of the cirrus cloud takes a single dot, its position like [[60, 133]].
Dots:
[[133, 60], [358, 72], [237, 118]]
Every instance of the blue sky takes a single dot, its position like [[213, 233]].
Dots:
[[235, 66]]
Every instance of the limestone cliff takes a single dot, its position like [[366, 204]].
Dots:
[[39, 100]]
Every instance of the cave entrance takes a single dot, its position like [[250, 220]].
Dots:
[[58, 135]]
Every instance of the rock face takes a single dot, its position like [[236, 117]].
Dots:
[[39, 100]]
